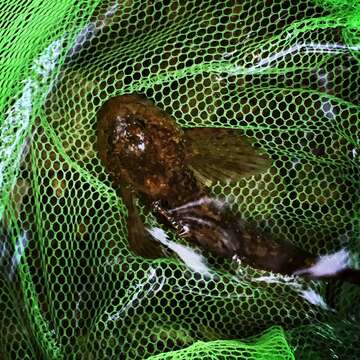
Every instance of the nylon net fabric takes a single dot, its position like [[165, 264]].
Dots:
[[271, 344], [285, 73]]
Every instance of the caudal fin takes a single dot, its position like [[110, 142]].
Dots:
[[334, 266]]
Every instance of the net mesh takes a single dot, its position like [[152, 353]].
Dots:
[[285, 73], [271, 344]]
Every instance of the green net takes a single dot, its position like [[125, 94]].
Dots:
[[286, 73], [271, 344]]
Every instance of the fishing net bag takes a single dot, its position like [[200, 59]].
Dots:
[[286, 73]]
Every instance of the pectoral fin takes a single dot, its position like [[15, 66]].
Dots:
[[217, 154], [140, 241]]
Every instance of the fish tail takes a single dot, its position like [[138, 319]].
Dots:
[[331, 267], [345, 275]]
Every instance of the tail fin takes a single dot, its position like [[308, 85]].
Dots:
[[334, 266]]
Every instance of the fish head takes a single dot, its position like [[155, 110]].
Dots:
[[140, 144]]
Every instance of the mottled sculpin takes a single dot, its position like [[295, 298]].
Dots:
[[149, 155]]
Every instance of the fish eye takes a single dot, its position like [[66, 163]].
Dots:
[[140, 123], [134, 120]]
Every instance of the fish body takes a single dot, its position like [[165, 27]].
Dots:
[[171, 168]]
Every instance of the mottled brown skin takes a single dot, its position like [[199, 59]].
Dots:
[[146, 152], [140, 146]]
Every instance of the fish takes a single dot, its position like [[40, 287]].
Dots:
[[171, 169]]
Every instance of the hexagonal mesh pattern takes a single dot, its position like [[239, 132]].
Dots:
[[270, 345], [286, 73]]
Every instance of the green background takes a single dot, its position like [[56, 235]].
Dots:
[[285, 73]]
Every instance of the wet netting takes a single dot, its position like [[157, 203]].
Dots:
[[286, 73]]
